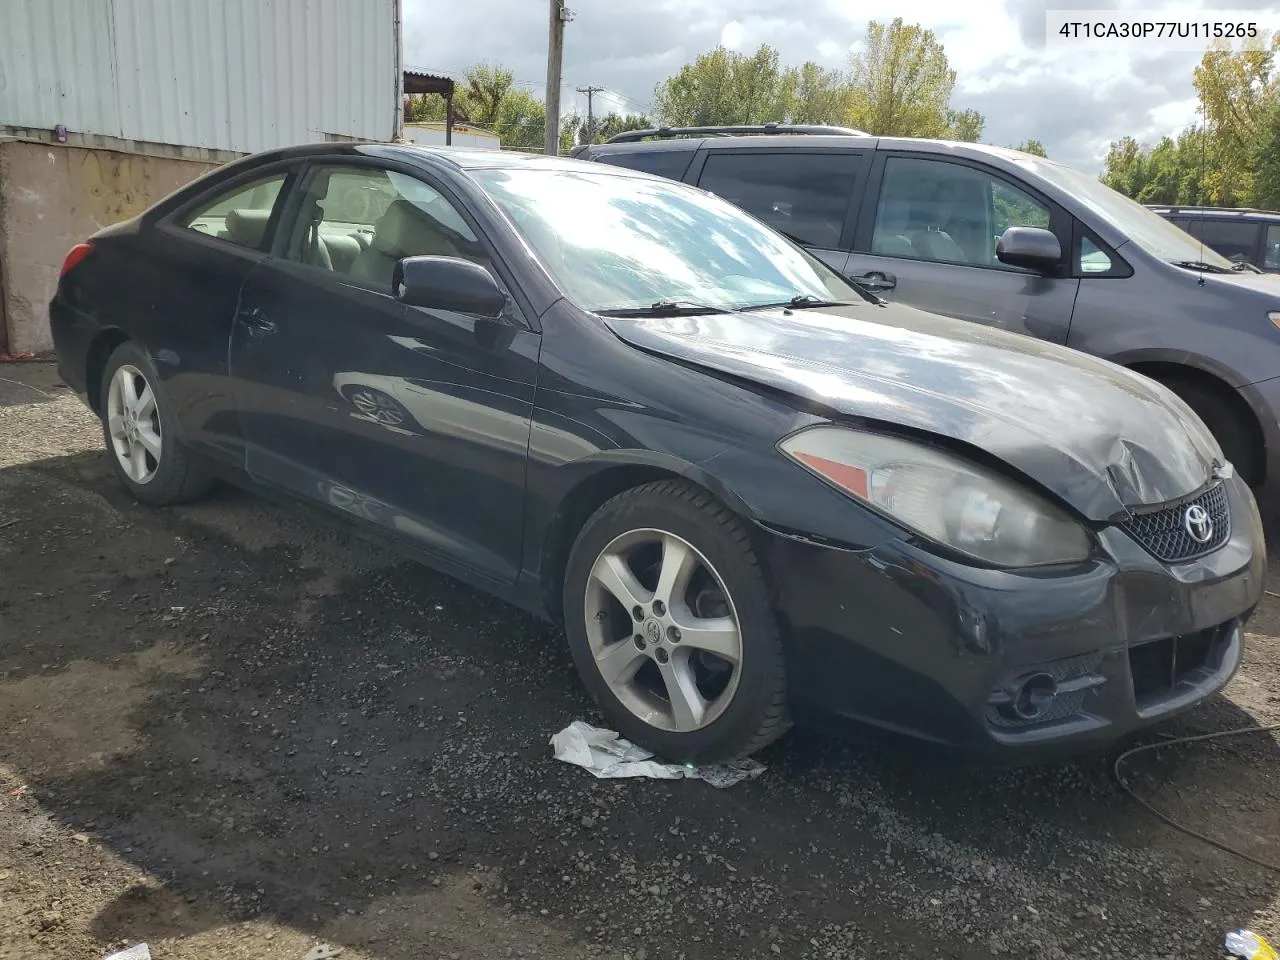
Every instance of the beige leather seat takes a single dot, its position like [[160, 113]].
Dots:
[[247, 227], [403, 231]]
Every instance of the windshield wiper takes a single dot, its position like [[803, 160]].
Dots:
[[1242, 266], [1199, 265], [663, 308], [800, 302]]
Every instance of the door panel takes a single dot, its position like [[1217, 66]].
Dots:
[[930, 242], [413, 420], [196, 266]]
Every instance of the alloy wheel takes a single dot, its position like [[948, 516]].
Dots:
[[133, 422], [663, 631], [379, 407]]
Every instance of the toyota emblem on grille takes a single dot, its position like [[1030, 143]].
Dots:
[[1197, 523]]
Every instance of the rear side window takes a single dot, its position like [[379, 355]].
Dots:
[[671, 164], [1231, 238], [239, 215], [1271, 257], [802, 195]]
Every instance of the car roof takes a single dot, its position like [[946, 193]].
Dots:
[[811, 141]]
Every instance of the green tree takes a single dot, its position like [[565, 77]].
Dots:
[[1238, 91], [611, 124], [724, 87], [965, 125], [818, 95], [1033, 147], [901, 83]]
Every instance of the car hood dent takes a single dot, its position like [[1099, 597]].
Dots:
[[1102, 438]]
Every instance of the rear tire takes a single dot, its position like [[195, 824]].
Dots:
[[669, 621], [1223, 419], [141, 434]]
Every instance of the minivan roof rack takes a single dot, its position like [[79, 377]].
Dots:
[[765, 129], [1187, 208]]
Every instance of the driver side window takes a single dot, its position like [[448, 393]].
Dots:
[[361, 221], [947, 212]]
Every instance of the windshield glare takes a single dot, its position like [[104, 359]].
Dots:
[[617, 242], [1152, 232]]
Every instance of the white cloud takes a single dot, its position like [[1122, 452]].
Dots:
[[732, 35]]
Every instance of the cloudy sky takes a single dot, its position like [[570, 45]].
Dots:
[[1075, 102]]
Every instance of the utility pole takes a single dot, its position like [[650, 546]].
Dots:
[[591, 121], [560, 15]]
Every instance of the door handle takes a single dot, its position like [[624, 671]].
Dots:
[[875, 280], [257, 321]]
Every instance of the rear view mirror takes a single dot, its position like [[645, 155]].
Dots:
[[448, 283], [1033, 248]]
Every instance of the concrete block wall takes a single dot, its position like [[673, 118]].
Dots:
[[53, 197]]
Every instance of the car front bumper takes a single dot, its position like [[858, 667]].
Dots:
[[909, 642]]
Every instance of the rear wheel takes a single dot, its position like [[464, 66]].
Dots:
[[141, 435], [668, 618]]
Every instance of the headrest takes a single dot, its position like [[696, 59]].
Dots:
[[248, 227], [404, 230]]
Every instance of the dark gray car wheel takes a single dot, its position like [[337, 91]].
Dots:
[[140, 432], [668, 618]]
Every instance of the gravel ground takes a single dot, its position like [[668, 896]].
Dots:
[[235, 731]]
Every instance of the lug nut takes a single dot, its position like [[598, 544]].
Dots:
[[637, 613], [659, 608], [662, 655], [639, 642], [673, 634]]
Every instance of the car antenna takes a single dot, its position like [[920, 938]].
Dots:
[[1204, 151]]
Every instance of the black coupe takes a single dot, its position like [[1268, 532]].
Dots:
[[750, 491]]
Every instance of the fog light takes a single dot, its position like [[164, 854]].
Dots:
[[1034, 697]]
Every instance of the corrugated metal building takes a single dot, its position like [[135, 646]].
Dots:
[[230, 75], [107, 105]]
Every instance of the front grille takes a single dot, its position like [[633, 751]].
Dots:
[[1159, 665], [1163, 533]]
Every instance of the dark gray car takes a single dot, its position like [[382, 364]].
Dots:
[[1013, 241]]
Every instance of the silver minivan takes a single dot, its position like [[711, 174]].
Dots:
[[1009, 240]]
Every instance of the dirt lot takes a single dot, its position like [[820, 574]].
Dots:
[[233, 731]]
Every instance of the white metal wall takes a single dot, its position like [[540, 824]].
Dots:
[[241, 75]]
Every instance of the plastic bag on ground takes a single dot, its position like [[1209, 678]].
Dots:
[[1249, 946], [607, 756]]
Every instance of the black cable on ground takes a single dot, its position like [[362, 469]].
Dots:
[[1182, 828]]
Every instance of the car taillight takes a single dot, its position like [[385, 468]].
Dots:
[[78, 253]]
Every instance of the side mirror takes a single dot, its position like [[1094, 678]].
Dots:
[[1031, 247], [448, 283]]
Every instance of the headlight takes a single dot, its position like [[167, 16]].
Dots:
[[942, 497]]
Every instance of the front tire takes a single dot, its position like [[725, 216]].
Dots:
[[141, 434], [668, 618], [1226, 424]]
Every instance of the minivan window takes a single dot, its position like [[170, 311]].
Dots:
[[1235, 240], [803, 195], [948, 212], [1271, 258], [614, 243], [663, 163], [1150, 231]]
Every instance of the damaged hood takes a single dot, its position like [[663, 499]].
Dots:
[[1100, 437]]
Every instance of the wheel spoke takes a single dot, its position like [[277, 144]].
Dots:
[[619, 662], [678, 564], [149, 439], [115, 424], [138, 462], [612, 573], [717, 635], [688, 707], [128, 389], [146, 402]]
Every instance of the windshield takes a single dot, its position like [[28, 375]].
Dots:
[[1151, 232], [620, 242]]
